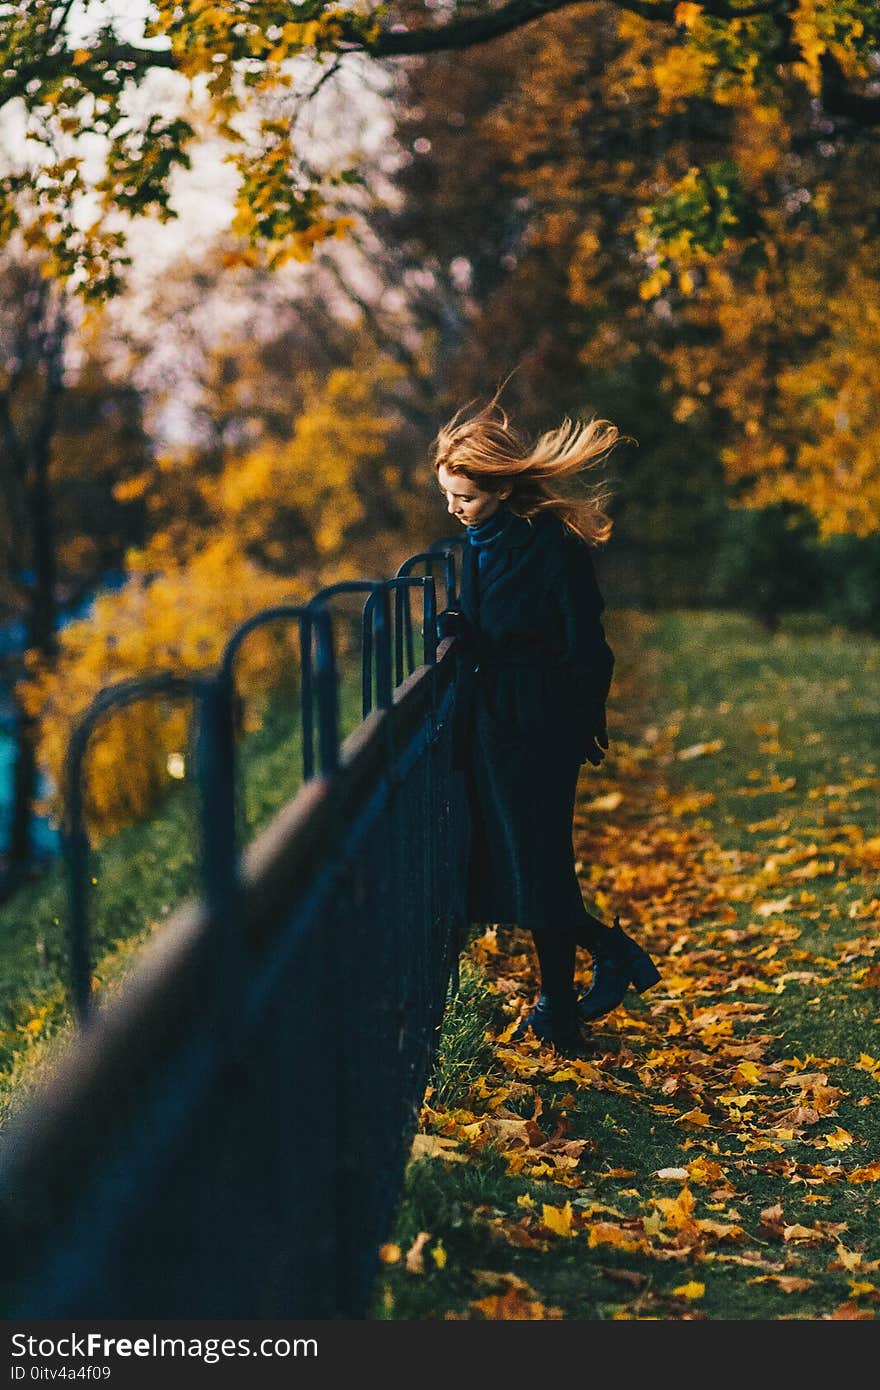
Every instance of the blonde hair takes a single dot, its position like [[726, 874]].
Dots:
[[487, 450]]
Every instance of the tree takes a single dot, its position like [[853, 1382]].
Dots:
[[256, 64], [67, 432]]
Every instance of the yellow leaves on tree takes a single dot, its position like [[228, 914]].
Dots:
[[792, 363], [315, 472], [178, 620], [177, 610]]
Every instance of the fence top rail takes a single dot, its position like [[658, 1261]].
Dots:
[[167, 978]]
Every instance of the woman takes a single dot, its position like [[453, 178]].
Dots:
[[530, 700]]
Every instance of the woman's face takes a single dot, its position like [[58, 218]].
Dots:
[[465, 500]]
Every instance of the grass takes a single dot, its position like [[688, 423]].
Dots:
[[139, 876], [735, 827]]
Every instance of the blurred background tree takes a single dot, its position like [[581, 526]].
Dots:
[[69, 432]]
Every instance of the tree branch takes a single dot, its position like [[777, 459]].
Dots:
[[454, 35], [14, 81], [478, 29], [12, 481], [839, 100]]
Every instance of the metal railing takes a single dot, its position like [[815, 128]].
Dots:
[[229, 1138]]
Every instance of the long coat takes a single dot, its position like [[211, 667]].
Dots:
[[534, 674]]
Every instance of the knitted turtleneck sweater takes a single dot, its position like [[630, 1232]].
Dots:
[[484, 536]]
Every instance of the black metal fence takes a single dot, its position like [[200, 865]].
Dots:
[[229, 1139]]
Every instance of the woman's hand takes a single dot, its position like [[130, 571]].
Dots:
[[452, 623]]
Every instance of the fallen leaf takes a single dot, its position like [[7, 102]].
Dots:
[[690, 1290], [870, 1173], [435, 1146], [694, 1117], [518, 1303], [700, 750], [851, 1312], [839, 1139], [607, 1233], [802, 1235], [557, 1219], [788, 1283], [415, 1260], [609, 802], [850, 1260], [770, 909]]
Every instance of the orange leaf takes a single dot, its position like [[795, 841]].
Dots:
[[694, 1117]]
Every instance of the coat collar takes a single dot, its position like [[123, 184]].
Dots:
[[517, 537]]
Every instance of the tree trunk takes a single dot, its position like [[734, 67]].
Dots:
[[24, 790], [41, 616]]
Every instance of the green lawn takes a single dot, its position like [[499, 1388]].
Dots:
[[139, 876]]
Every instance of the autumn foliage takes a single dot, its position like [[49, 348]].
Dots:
[[197, 579]]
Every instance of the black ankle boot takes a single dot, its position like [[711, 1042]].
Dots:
[[618, 962], [552, 1023]]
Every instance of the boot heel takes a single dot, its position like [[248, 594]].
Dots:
[[644, 973]]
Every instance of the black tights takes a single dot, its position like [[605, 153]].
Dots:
[[556, 952]]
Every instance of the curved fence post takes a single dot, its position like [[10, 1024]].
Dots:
[[327, 684], [75, 840], [429, 558], [375, 628], [446, 546], [226, 670], [221, 880], [403, 621]]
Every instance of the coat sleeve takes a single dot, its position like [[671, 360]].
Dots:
[[586, 656]]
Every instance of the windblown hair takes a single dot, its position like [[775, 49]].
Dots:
[[487, 450]]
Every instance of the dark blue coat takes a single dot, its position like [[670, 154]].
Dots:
[[535, 670]]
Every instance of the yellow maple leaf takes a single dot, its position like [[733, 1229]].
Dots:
[[607, 1233], [677, 1211], [705, 1170], [690, 1290], [870, 1173], [839, 1139], [846, 1259], [653, 1224], [557, 1219], [747, 1072], [694, 1117]]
